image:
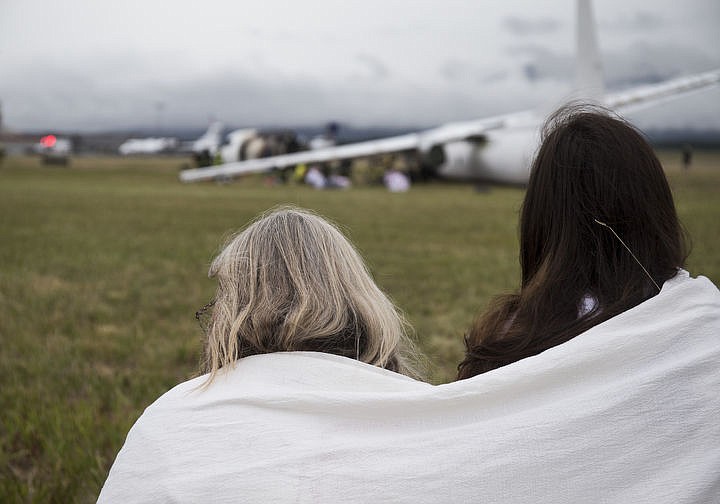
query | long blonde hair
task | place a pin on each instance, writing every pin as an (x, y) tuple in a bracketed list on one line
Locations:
[(291, 281)]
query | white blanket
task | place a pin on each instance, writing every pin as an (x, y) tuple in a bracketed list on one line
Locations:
[(627, 412)]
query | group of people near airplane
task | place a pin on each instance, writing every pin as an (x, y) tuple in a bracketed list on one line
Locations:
[(595, 381)]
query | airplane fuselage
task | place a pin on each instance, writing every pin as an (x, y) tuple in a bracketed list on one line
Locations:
[(503, 157)]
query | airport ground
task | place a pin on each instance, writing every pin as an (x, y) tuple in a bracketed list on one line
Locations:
[(103, 264)]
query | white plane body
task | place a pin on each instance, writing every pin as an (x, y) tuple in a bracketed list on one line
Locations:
[(495, 149), (147, 145)]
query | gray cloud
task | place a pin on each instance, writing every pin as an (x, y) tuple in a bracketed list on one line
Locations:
[(542, 63), (526, 26), (636, 64), (76, 102), (453, 70), (122, 87), (60, 98), (456, 70), (642, 64), (375, 68), (256, 63), (641, 21)]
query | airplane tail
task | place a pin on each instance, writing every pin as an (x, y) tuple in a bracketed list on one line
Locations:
[(588, 72), (210, 140), (214, 130)]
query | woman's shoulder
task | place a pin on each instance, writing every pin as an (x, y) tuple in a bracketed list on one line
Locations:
[(180, 392), (697, 291), (279, 372)]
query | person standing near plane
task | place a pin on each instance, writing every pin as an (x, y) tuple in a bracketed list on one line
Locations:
[(686, 156), (599, 235)]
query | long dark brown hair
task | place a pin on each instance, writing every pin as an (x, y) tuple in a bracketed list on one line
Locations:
[(591, 166)]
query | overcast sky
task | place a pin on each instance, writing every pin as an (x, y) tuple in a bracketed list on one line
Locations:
[(89, 65)]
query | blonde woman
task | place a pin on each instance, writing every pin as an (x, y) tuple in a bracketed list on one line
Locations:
[(296, 312)]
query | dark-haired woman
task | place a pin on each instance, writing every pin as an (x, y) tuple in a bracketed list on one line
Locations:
[(599, 378), (599, 235)]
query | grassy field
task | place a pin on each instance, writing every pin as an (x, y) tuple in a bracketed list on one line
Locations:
[(103, 264)]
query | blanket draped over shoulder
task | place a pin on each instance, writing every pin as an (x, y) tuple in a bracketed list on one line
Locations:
[(626, 412)]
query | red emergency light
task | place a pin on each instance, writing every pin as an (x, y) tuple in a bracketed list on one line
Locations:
[(48, 141)]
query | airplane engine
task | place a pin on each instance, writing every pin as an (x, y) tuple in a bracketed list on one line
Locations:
[(253, 148), (253, 144), (429, 160)]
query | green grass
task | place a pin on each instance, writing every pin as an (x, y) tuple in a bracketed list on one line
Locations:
[(103, 264)]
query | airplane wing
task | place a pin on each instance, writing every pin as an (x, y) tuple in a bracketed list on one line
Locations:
[(644, 96), (423, 140)]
